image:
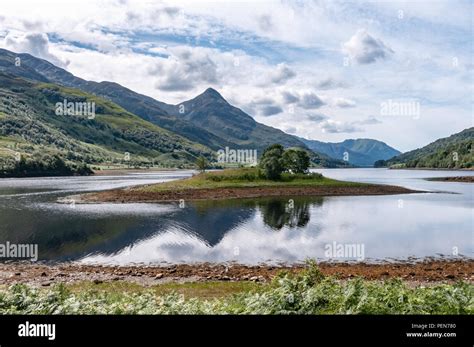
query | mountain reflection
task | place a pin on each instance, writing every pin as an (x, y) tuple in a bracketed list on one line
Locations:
[(66, 234)]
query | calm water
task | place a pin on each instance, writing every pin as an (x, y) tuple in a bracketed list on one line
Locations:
[(245, 231)]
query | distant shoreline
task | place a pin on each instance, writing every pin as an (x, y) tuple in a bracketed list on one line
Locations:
[(464, 179), (106, 172), (426, 168)]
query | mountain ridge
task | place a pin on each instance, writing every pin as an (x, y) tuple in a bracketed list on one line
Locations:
[(30, 124), (207, 119), (359, 152), (451, 152), (153, 110)]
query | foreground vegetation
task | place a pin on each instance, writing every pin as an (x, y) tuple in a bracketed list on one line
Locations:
[(308, 292)]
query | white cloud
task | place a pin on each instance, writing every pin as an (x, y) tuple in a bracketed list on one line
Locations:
[(184, 69), (316, 117), (344, 103), (310, 100), (270, 110), (331, 83), (289, 98), (264, 106), (36, 44), (334, 126), (371, 120), (281, 74), (366, 49)]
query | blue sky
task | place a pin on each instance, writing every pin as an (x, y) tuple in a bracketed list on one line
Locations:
[(316, 69)]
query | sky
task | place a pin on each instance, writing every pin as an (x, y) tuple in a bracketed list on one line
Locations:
[(396, 71)]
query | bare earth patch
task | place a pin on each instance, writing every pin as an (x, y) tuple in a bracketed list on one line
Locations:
[(135, 195), (45, 275)]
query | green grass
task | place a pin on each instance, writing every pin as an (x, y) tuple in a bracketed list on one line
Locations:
[(308, 292), (244, 178), (201, 290)]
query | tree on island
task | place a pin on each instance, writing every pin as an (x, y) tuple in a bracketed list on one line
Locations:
[(272, 161), (296, 161), (275, 160)]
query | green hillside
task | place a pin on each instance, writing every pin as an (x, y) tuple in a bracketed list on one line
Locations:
[(208, 119), (453, 152), (30, 126)]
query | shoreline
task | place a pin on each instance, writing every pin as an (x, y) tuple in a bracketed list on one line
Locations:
[(44, 275), (111, 172), (464, 179), (426, 168), (134, 195)]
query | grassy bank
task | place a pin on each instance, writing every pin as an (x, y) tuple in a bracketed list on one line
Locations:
[(245, 177), (308, 292), (238, 183)]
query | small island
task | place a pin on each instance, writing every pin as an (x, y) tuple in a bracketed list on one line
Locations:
[(279, 173)]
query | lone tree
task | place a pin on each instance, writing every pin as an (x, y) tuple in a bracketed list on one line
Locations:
[(272, 161), (202, 163), (275, 160), (296, 160)]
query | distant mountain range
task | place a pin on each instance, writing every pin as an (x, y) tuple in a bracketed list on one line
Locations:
[(149, 130), (453, 152), (207, 122), (359, 152), (207, 119)]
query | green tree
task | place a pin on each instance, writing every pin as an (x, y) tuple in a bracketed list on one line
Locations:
[(202, 163), (296, 161), (272, 161)]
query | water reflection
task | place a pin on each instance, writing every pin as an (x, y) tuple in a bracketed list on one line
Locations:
[(65, 232), (243, 230), (247, 231), (292, 213)]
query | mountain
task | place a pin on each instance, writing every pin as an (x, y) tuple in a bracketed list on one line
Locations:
[(207, 119), (212, 112), (143, 106), (30, 125), (453, 152), (360, 152)]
